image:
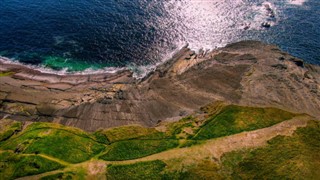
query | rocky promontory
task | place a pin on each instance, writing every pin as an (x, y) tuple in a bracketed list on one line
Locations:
[(247, 73)]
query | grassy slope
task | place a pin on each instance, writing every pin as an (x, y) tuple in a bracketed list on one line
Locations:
[(131, 132), (14, 165), (293, 157), (64, 176), (235, 119), (8, 128), (133, 149), (67, 144), (142, 170), (71, 145)]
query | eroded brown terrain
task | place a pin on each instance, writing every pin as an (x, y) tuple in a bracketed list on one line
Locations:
[(247, 73)]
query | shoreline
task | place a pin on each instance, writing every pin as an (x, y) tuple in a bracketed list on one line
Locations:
[(21, 71), (247, 73), (7, 63), (32, 72)]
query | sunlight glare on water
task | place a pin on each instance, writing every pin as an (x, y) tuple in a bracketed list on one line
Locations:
[(88, 36), (212, 23)]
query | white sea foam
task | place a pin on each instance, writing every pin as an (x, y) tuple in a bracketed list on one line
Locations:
[(297, 2), (205, 24), (63, 71), (139, 72)]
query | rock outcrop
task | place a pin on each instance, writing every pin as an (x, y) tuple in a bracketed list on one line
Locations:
[(247, 73)]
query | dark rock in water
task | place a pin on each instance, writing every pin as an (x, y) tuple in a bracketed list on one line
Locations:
[(267, 6), (270, 11), (266, 25), (246, 26)]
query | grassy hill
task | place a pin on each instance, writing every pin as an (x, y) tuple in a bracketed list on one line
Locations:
[(222, 142)]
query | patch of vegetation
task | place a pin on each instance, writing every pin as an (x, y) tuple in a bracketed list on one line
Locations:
[(63, 144), (6, 73), (159, 170), (33, 150), (43, 125), (132, 132), (205, 169), (13, 166), (236, 119), (133, 149), (189, 143), (293, 157), (176, 129), (8, 128), (61, 176), (101, 137), (143, 170), (213, 108)]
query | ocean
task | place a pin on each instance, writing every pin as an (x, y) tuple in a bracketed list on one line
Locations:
[(76, 36)]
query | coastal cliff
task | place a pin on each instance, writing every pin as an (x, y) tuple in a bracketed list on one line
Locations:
[(247, 73), (245, 111)]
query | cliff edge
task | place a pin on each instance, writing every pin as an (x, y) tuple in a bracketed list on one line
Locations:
[(247, 73)]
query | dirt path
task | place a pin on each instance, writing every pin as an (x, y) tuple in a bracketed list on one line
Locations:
[(213, 149), (217, 147), (55, 159)]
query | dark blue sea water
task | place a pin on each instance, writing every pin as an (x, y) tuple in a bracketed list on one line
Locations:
[(78, 35)]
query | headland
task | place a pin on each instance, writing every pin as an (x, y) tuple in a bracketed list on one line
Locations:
[(247, 73)]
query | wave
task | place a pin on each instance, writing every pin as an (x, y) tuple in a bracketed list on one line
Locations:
[(139, 72), (202, 24), (64, 71), (297, 2)]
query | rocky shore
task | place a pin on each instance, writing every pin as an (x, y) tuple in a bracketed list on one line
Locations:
[(247, 73)]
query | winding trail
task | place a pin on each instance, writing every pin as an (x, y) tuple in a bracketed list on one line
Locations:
[(213, 149), (217, 147)]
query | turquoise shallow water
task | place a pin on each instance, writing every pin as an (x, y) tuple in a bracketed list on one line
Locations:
[(97, 34)]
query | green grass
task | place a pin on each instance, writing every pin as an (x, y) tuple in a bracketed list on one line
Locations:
[(131, 132), (293, 157), (63, 144), (158, 170), (204, 169), (8, 128), (43, 125), (175, 129), (6, 73), (14, 166), (143, 170), (62, 176), (284, 157), (133, 149), (235, 119), (101, 137)]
